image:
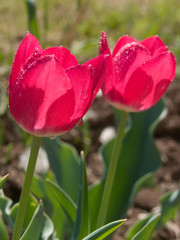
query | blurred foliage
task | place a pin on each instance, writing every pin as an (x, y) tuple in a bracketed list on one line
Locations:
[(88, 18)]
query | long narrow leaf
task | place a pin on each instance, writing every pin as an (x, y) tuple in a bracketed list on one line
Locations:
[(104, 231), (3, 180), (146, 232), (3, 232), (33, 231), (170, 203), (32, 17), (81, 227), (65, 164), (48, 228), (64, 200), (52, 207)]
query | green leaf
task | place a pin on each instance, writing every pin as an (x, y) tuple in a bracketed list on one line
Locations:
[(64, 200), (52, 207), (32, 17), (31, 208), (65, 164), (48, 228), (3, 180), (31, 216), (146, 232), (34, 229), (5, 206), (104, 231), (146, 180), (81, 227), (139, 156), (170, 203), (3, 232)]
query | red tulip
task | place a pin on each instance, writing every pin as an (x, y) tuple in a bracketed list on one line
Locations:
[(49, 92), (137, 73)]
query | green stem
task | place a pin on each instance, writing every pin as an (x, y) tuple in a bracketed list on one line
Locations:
[(26, 189), (112, 171)]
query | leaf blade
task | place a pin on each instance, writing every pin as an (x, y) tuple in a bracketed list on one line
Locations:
[(104, 231)]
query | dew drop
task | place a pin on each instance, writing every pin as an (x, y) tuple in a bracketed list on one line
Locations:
[(80, 122)]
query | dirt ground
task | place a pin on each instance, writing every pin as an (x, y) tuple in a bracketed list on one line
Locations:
[(167, 138)]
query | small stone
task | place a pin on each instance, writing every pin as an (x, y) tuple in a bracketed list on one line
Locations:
[(107, 134), (42, 164)]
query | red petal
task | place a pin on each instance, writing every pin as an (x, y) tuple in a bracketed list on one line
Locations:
[(25, 50), (98, 65), (155, 45), (138, 88), (63, 55), (162, 69), (103, 45), (82, 82), (148, 83), (58, 116), (127, 61), (109, 81), (45, 84), (122, 42)]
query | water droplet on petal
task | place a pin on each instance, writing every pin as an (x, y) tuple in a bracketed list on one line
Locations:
[(80, 122)]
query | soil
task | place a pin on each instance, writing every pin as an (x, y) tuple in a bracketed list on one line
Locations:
[(167, 138)]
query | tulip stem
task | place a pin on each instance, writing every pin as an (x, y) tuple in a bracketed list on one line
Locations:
[(26, 189), (112, 171)]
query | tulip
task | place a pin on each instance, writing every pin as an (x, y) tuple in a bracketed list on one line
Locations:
[(137, 73), (49, 92)]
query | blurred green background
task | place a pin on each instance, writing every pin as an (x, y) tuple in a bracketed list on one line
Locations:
[(78, 24)]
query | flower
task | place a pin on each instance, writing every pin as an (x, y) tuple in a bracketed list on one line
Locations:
[(49, 92), (137, 73)]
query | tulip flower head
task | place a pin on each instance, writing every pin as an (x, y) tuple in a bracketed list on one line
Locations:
[(137, 73), (49, 92)]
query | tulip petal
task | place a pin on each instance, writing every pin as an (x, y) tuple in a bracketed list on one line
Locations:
[(25, 50), (58, 116), (38, 89), (122, 42), (149, 82), (109, 76), (82, 83), (155, 45), (98, 65), (138, 73), (127, 61), (138, 88), (103, 44), (162, 70), (63, 55)]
